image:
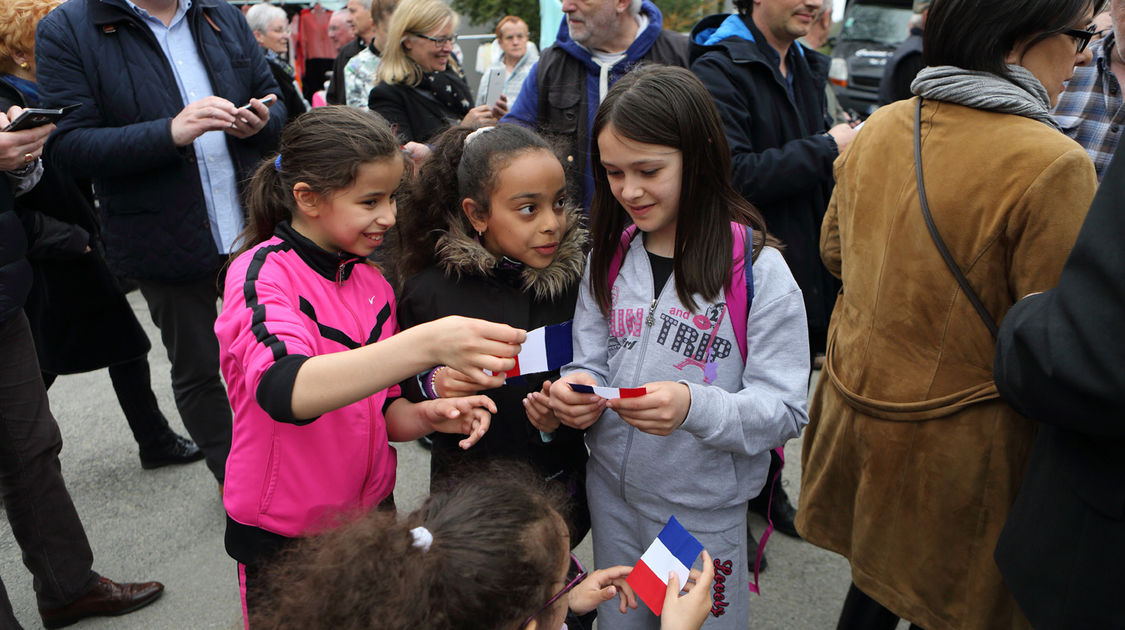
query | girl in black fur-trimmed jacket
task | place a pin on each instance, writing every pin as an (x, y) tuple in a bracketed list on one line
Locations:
[(497, 241)]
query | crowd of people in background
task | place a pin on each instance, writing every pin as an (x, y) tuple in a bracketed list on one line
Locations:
[(343, 246)]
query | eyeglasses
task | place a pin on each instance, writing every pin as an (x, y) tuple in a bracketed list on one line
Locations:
[(1081, 37), (440, 42), (566, 589)]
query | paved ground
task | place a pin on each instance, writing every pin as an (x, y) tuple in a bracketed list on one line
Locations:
[(167, 524)]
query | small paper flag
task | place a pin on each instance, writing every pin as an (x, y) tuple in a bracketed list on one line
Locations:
[(609, 392), (673, 550), (547, 348)]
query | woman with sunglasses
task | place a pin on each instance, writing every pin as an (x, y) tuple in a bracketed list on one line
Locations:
[(491, 553), (911, 462), (421, 89)]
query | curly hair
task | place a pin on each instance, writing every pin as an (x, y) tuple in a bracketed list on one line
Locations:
[(18, 19), (323, 148), (497, 545), (431, 204)]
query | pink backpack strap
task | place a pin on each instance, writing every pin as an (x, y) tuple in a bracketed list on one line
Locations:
[(740, 288), (619, 255)]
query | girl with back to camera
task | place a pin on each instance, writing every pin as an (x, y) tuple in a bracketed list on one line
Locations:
[(306, 345), (697, 444), (490, 553), (487, 233)]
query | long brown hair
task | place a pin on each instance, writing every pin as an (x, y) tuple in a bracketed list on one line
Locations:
[(323, 148), (494, 560), (669, 106)]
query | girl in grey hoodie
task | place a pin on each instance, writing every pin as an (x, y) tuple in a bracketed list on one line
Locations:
[(697, 444)]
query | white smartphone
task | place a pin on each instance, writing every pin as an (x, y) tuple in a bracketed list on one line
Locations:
[(267, 101), (495, 80)]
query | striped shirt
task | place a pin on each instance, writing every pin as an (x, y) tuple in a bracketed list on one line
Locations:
[(1090, 109)]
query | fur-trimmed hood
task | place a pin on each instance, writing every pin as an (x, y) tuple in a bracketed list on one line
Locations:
[(460, 253)]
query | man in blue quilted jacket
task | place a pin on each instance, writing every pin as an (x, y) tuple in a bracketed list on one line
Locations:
[(171, 121)]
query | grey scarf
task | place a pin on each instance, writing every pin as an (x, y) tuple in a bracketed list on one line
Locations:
[(1020, 94)]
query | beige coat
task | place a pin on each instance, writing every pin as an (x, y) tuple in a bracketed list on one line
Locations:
[(911, 462)]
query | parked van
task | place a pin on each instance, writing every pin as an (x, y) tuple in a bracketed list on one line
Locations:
[(871, 31)]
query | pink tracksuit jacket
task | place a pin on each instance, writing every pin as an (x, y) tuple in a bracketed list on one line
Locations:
[(287, 300)]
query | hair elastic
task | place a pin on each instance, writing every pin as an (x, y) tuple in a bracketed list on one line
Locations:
[(277, 163), (472, 136), (422, 538)]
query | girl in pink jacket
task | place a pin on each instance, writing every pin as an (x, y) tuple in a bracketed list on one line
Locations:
[(307, 348)]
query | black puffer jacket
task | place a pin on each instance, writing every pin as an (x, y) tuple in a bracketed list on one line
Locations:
[(79, 317), (781, 156), (472, 283), (100, 54)]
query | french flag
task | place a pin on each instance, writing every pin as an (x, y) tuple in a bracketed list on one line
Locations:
[(547, 348), (673, 550)]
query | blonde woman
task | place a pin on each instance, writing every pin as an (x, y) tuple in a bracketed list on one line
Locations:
[(421, 89)]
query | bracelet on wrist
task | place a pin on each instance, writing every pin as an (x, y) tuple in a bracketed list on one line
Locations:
[(431, 383)]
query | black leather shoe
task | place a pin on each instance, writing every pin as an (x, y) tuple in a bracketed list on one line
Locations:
[(179, 450), (781, 512), (106, 599)]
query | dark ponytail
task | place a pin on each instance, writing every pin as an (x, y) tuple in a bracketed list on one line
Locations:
[(497, 542), (323, 148), (453, 172)]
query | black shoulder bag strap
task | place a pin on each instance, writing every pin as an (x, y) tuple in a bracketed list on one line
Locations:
[(985, 316)]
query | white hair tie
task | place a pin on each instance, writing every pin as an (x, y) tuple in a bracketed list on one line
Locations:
[(422, 538), (469, 138)]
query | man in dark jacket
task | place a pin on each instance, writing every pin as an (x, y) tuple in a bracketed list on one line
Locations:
[(770, 92), (598, 42), (40, 511), (153, 77), (904, 65), (1058, 361)]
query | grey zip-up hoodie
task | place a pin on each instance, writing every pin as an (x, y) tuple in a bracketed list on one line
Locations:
[(707, 470)]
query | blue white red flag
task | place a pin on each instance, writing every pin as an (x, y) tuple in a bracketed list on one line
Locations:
[(609, 392), (547, 348), (673, 550)]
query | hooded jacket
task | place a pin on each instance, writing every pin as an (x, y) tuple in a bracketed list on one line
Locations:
[(705, 471), (556, 97), (781, 157), (99, 53), (470, 281), (287, 300)]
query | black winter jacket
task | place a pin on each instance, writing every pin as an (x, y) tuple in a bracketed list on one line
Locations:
[(470, 282), (100, 54), (79, 317), (413, 113), (781, 156), (1058, 361)]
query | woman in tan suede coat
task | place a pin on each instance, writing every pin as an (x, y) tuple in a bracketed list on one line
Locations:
[(911, 462)]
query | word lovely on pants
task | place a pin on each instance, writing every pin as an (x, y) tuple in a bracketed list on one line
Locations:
[(547, 348), (673, 550), (609, 392)]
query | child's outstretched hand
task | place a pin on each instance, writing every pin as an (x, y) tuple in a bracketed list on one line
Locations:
[(690, 611), (467, 415), (601, 586), (572, 408), (471, 346), (539, 412), (659, 412)]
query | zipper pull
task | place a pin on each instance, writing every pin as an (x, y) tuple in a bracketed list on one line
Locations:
[(650, 320), (340, 274)]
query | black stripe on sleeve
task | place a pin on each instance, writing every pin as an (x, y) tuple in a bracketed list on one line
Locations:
[(258, 311)]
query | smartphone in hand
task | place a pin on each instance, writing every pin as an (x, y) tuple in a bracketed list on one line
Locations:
[(266, 100), (495, 86), (36, 117)]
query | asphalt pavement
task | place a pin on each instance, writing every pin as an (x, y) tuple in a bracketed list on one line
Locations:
[(167, 524)]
